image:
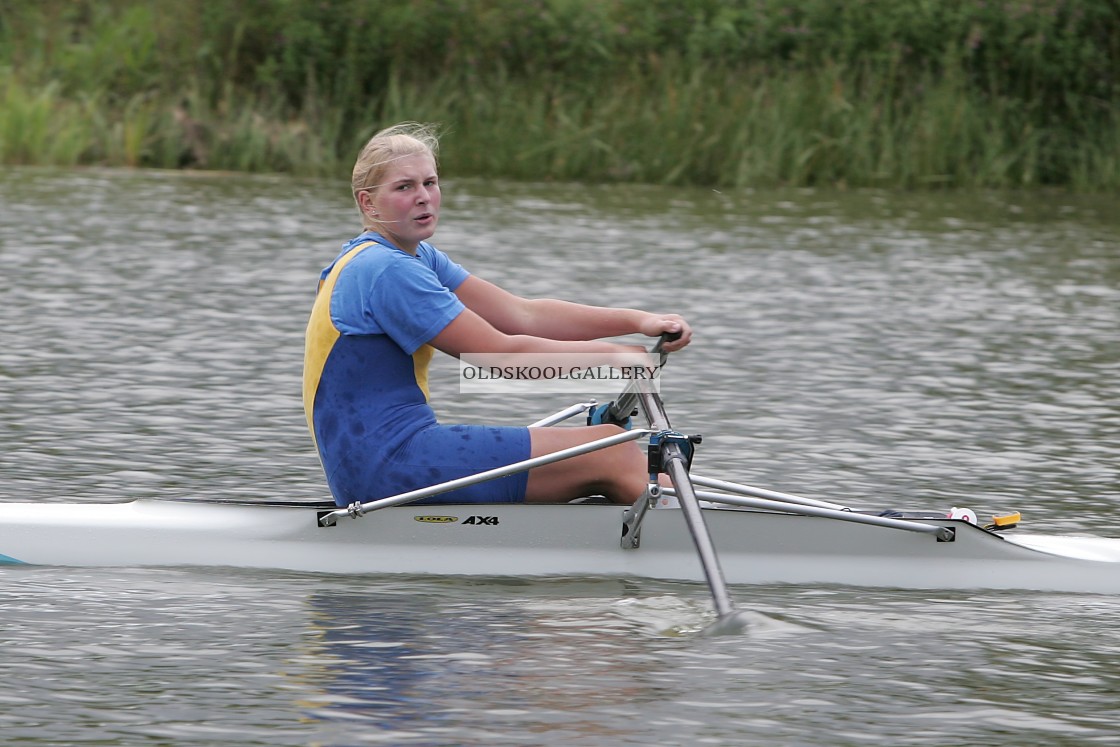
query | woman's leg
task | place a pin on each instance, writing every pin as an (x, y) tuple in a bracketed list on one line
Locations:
[(618, 472)]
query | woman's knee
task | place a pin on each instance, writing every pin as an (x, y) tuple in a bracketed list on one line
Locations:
[(624, 470), (618, 471)]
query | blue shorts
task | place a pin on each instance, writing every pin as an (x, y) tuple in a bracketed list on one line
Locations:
[(436, 454)]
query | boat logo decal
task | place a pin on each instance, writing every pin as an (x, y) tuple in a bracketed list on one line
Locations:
[(490, 520), (437, 519)]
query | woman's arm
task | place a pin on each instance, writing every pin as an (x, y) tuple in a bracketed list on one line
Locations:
[(557, 320), (471, 333)]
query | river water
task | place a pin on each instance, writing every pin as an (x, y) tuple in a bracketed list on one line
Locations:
[(871, 348)]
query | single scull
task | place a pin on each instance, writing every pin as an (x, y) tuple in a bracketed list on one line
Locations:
[(700, 529), (755, 547)]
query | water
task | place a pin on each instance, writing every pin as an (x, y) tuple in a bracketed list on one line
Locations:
[(869, 348)]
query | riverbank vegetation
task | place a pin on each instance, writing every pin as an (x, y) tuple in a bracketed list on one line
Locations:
[(722, 93)]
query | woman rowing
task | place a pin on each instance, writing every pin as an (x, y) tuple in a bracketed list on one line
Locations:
[(391, 298)]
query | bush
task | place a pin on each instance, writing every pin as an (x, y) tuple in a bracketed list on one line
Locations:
[(1024, 88)]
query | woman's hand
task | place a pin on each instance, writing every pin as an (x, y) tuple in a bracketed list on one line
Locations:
[(656, 325)]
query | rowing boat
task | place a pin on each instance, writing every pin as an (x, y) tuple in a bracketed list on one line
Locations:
[(701, 528), (755, 546)]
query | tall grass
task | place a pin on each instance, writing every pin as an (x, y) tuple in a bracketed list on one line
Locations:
[(37, 126), (902, 93), (700, 125)]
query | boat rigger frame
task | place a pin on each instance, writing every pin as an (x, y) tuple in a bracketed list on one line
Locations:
[(669, 453)]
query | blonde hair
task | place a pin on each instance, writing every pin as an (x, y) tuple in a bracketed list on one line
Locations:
[(393, 143)]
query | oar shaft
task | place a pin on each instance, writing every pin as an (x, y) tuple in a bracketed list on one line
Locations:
[(694, 518), (624, 405)]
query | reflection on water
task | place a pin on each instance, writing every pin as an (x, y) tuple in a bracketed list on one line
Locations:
[(472, 659), (868, 348)]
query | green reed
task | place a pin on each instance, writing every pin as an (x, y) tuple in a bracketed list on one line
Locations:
[(894, 93)]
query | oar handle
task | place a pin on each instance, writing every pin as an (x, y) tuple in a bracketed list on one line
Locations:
[(665, 337), (622, 407)]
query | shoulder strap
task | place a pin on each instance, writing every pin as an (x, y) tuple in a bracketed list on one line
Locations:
[(321, 333)]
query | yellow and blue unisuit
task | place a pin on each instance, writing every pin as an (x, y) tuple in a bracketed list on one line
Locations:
[(365, 381)]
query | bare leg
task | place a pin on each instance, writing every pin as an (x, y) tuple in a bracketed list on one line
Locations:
[(618, 472)]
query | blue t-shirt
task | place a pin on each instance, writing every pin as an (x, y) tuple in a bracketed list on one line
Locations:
[(385, 291)]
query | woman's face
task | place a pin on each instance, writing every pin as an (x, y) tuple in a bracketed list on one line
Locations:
[(406, 203)]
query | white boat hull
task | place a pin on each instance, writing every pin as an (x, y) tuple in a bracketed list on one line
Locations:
[(547, 540)]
